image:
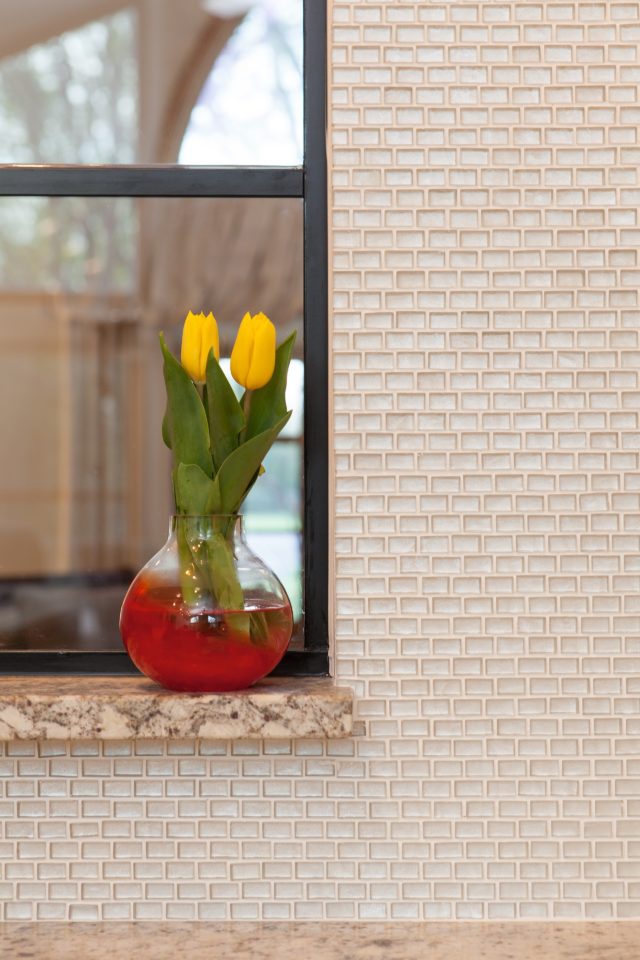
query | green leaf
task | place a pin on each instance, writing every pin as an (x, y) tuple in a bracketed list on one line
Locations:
[(189, 584), (268, 404), (187, 426), (193, 489), (225, 415), (166, 436), (224, 577), (241, 466)]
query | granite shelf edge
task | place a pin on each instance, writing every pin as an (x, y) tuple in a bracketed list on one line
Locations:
[(325, 940), (134, 708)]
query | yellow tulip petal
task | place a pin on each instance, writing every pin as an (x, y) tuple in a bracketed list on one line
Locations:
[(209, 341), (242, 348), (190, 349), (263, 358), (214, 335)]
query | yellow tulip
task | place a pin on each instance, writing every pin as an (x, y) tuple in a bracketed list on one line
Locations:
[(253, 357), (199, 336)]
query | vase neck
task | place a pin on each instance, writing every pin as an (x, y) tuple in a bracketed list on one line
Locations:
[(206, 524)]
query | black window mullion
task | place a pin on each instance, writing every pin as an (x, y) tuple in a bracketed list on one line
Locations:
[(316, 424), (150, 181), (295, 663)]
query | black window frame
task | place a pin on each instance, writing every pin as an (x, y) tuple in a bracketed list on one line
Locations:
[(308, 183)]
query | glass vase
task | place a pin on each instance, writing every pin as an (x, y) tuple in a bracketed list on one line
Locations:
[(206, 614)]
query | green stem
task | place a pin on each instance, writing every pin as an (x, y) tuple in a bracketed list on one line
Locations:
[(246, 409), (223, 574), (188, 580), (208, 570)]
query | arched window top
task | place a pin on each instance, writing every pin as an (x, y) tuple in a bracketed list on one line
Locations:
[(250, 109)]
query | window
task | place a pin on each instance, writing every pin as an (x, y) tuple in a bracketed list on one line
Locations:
[(117, 214)]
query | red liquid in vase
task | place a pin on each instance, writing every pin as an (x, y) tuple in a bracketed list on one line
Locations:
[(200, 650)]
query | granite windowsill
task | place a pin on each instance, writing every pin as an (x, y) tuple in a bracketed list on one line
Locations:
[(334, 940), (134, 708)]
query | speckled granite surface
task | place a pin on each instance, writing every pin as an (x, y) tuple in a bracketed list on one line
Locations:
[(321, 941), (127, 708)]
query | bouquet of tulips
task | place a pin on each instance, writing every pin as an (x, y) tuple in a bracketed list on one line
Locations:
[(219, 441)]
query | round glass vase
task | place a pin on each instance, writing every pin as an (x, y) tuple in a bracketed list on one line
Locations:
[(206, 614)]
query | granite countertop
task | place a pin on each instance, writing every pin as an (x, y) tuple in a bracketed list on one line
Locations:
[(321, 941), (128, 708)]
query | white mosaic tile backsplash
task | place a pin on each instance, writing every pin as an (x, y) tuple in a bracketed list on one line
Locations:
[(487, 523)]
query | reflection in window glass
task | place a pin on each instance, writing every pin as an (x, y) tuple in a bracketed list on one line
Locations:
[(70, 100), (74, 98), (53, 243), (85, 486), (249, 111)]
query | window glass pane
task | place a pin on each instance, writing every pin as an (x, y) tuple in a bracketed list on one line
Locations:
[(73, 98), (215, 82), (66, 243), (85, 485), (249, 111)]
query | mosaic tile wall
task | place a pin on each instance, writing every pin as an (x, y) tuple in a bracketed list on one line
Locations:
[(487, 523)]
